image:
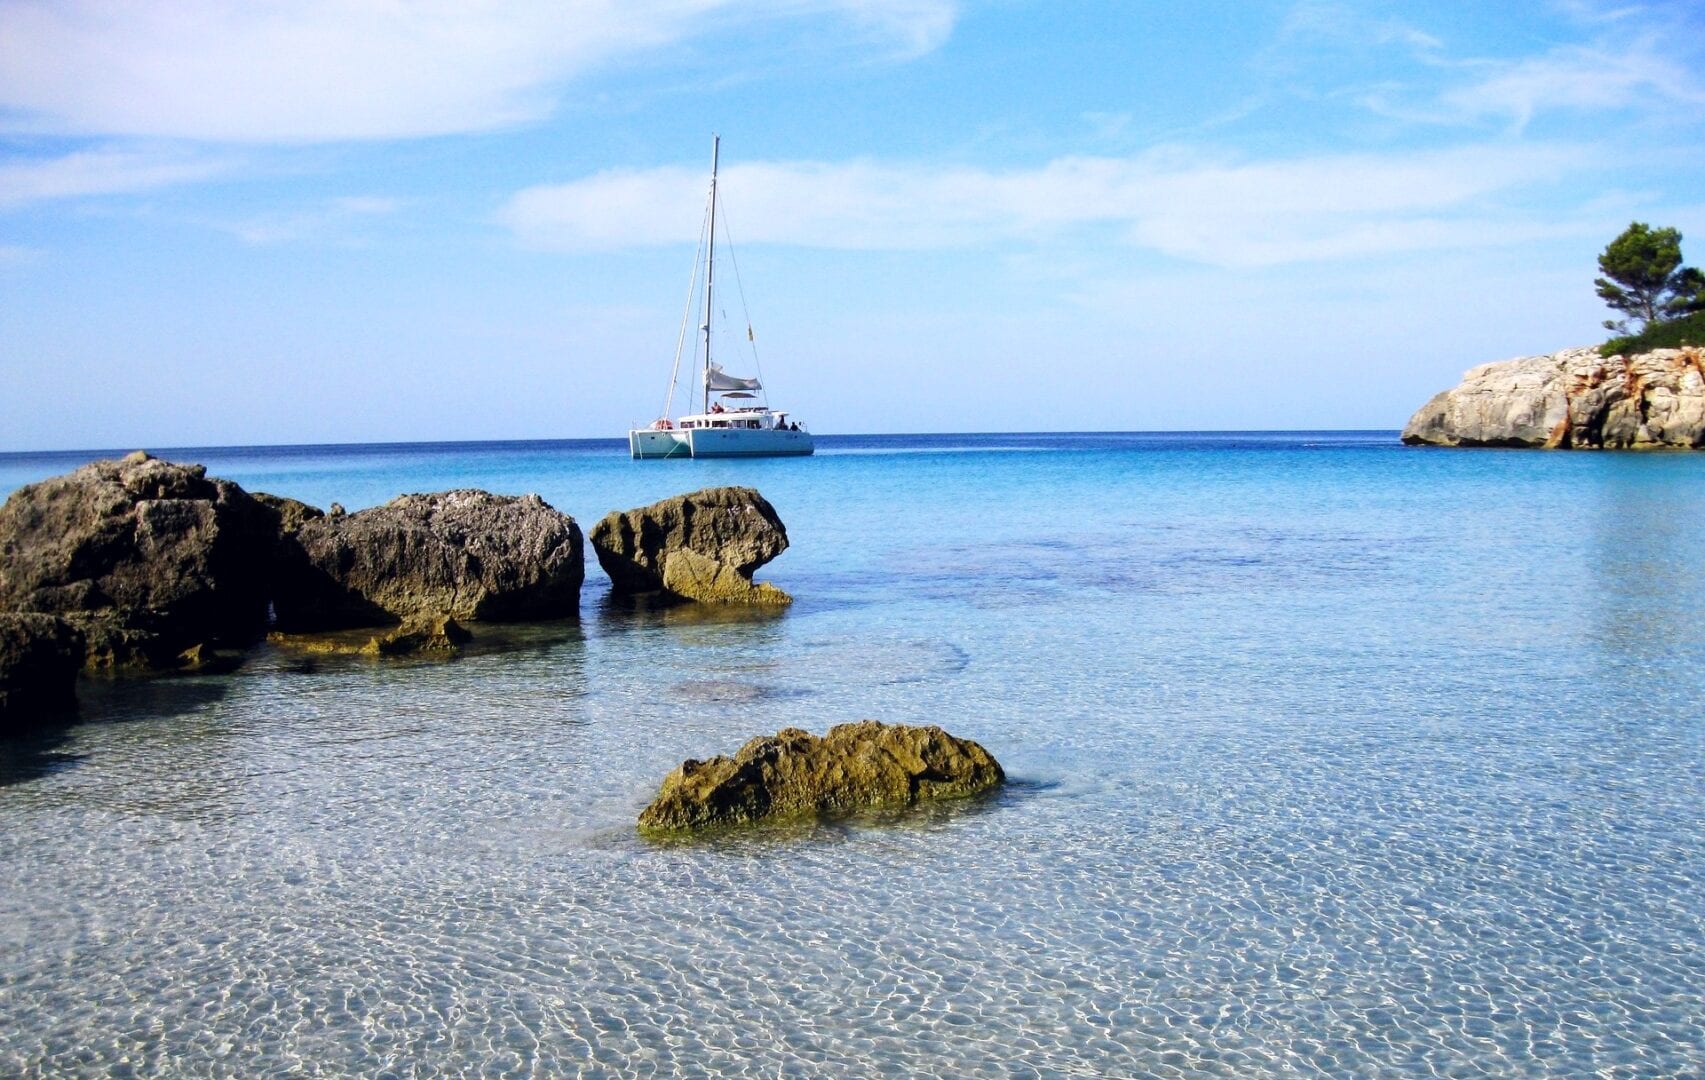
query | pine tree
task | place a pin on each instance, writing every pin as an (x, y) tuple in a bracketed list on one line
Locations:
[(1644, 278)]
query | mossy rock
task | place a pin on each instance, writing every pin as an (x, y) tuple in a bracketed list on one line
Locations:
[(795, 774)]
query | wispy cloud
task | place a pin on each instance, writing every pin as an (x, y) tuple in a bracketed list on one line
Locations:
[(906, 28), (1343, 25), (1579, 78), (101, 172), (1596, 12), (1187, 204), (17, 254), (314, 70), (1640, 60), (338, 220)]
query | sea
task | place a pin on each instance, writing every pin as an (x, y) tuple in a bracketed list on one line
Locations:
[(1327, 757)]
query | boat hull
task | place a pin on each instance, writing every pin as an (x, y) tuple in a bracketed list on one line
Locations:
[(651, 443), (719, 442), (747, 442)]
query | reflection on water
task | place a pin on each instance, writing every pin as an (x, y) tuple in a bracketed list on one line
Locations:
[(1330, 761), (1643, 536), (615, 612)]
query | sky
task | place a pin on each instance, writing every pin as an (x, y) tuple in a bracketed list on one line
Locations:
[(281, 222)]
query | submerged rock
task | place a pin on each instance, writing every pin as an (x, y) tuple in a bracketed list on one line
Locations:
[(430, 634), (701, 546), (39, 659), (1572, 399), (461, 554), (793, 772), (415, 636), (147, 557)]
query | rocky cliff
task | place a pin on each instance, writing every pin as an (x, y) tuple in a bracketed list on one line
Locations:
[(1572, 399)]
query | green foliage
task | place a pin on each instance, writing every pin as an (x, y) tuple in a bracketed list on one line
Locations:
[(1669, 334), (1644, 278)]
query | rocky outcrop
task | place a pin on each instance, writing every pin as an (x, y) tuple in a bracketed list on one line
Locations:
[(794, 773), (148, 558), (289, 514), (1572, 399), (39, 659), (700, 546), (465, 555)]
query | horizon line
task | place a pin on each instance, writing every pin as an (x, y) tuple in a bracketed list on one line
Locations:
[(619, 441)]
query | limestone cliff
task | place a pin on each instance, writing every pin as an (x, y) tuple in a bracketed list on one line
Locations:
[(1573, 399)]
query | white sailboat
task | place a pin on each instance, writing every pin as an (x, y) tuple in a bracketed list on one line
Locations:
[(739, 421)]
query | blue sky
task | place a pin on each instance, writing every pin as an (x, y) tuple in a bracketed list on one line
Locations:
[(248, 223)]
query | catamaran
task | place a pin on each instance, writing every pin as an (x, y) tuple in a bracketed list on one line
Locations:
[(739, 421)]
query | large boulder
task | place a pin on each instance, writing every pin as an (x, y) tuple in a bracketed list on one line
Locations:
[(700, 546), (1572, 399), (39, 659), (465, 555), (794, 773), (148, 557)]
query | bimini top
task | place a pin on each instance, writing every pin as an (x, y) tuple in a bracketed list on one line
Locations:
[(718, 381)]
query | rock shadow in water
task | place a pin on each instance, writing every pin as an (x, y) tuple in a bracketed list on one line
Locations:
[(33, 755), (120, 699)]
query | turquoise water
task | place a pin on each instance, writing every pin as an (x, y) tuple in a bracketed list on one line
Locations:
[(1331, 757)]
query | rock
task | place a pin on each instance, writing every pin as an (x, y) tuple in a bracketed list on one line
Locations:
[(700, 546), (415, 636), (461, 554), (1572, 399), (39, 659), (128, 640), (290, 513), (429, 634), (147, 557), (692, 576), (794, 773)]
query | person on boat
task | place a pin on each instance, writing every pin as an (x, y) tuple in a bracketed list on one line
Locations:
[(716, 407)]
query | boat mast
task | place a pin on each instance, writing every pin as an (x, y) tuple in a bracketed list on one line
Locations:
[(710, 266)]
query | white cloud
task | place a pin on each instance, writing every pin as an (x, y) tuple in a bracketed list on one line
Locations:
[(100, 172), (1181, 203), (313, 70)]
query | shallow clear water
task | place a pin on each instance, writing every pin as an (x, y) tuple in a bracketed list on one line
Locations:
[(1330, 757)]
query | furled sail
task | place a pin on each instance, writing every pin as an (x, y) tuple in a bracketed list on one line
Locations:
[(716, 379)]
